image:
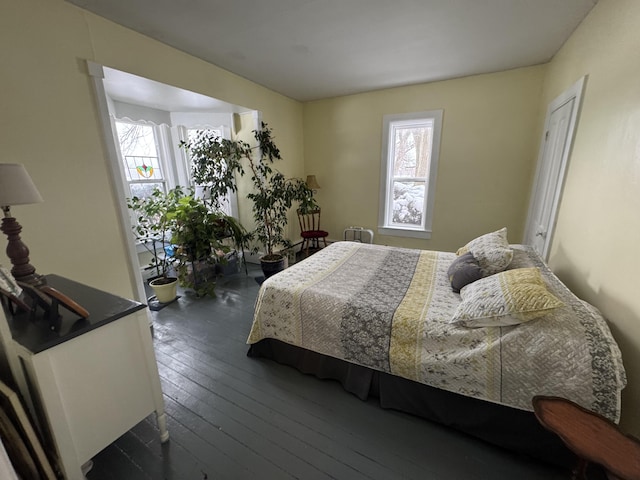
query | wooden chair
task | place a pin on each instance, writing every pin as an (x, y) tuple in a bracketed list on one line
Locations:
[(310, 229), (591, 437)]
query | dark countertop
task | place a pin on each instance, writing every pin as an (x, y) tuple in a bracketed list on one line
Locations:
[(37, 334)]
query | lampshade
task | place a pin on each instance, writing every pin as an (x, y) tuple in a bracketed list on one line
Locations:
[(312, 183), (16, 186)]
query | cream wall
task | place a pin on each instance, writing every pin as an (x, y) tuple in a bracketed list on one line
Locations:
[(598, 227), (487, 154), (49, 122)]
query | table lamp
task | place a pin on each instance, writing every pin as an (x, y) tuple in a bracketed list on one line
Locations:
[(312, 183), (17, 188)]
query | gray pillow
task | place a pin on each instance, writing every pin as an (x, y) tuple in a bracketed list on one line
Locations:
[(464, 270)]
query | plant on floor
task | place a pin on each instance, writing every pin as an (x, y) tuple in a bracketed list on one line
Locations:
[(199, 234), (272, 198), (216, 162), (152, 224), (274, 194)]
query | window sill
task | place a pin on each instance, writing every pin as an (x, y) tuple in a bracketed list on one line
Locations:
[(404, 232)]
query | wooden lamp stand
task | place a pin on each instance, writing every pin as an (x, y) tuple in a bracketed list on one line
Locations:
[(17, 251)]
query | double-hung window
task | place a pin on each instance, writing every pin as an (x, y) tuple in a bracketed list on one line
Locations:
[(143, 168), (410, 146)]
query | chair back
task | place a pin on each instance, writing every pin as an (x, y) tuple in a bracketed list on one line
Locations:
[(309, 220)]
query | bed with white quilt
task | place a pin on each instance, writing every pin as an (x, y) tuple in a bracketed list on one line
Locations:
[(464, 339)]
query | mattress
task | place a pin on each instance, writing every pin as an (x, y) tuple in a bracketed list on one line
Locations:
[(389, 309)]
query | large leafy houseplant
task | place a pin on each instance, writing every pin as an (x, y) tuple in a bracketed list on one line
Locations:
[(216, 161), (273, 196), (192, 230), (199, 233)]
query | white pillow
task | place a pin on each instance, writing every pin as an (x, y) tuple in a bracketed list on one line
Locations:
[(492, 251), (506, 298)]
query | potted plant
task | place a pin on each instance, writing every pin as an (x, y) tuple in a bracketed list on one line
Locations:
[(216, 161), (152, 223), (199, 234), (273, 197)]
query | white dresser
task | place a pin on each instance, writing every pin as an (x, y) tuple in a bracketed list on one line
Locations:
[(89, 381)]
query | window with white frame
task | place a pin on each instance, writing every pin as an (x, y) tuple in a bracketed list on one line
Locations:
[(410, 144), (143, 166)]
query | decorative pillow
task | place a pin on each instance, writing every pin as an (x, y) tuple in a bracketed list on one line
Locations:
[(492, 251), (463, 271), (506, 298)]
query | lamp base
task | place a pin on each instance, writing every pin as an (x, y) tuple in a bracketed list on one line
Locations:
[(18, 253)]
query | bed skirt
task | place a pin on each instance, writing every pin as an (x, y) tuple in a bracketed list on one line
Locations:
[(513, 429)]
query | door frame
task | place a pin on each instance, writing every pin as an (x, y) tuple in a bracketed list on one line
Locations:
[(117, 177), (575, 91), (96, 73)]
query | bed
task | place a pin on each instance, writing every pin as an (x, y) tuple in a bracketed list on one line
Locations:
[(379, 320)]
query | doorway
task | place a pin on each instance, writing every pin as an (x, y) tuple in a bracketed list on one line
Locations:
[(555, 149), (170, 110)]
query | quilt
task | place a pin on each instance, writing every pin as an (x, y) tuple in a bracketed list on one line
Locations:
[(389, 309)]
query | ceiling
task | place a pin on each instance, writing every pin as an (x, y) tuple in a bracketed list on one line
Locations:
[(313, 49)]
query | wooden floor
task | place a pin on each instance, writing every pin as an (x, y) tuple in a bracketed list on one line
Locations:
[(234, 417)]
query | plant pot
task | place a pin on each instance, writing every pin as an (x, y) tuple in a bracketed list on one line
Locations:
[(272, 264), (166, 289)]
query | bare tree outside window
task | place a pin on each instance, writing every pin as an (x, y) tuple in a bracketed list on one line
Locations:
[(410, 157), (412, 153), (142, 166)]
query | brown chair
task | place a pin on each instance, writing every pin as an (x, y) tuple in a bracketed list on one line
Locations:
[(591, 437), (310, 229)]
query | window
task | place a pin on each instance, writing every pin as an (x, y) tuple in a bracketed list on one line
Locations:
[(143, 168), (409, 164)]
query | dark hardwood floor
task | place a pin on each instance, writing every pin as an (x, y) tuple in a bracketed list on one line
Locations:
[(234, 417)]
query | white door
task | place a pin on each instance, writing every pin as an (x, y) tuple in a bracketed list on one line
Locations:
[(552, 161)]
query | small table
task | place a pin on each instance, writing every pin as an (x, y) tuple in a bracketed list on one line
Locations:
[(90, 381)]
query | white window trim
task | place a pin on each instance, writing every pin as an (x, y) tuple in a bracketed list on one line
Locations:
[(385, 175)]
